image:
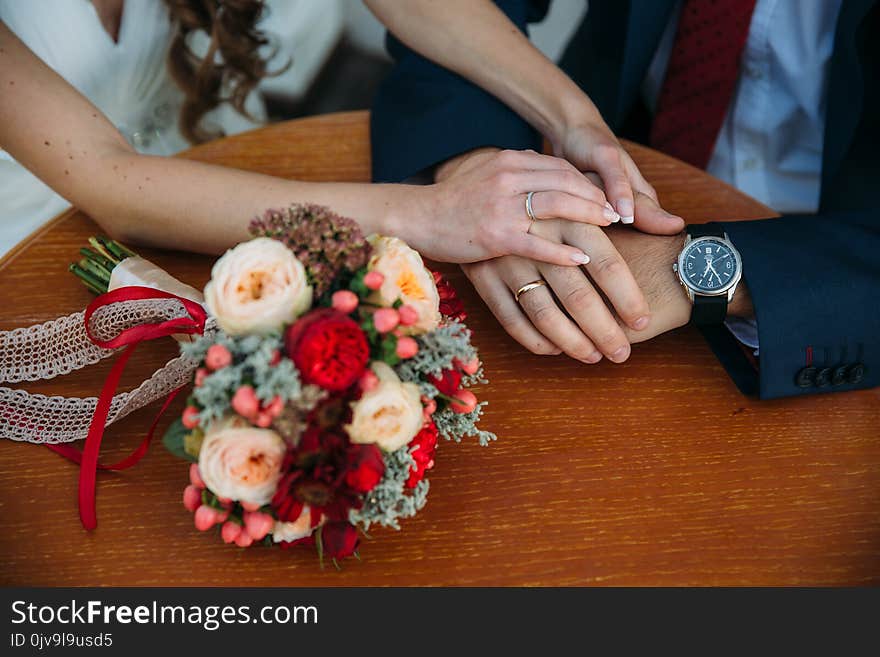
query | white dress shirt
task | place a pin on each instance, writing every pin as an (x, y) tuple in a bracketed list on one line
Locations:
[(770, 144)]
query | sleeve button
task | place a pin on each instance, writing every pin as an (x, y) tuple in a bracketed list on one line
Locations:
[(823, 377), (856, 373), (838, 376), (805, 377)]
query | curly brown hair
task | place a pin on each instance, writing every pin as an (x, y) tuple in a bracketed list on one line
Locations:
[(230, 69)]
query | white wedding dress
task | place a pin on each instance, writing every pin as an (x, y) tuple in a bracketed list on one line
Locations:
[(127, 80)]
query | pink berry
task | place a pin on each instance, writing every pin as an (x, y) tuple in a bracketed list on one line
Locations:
[(190, 417), (345, 301), (217, 357), (201, 375), (244, 539), (245, 402), (368, 381), (192, 498), (386, 319), (471, 367), (250, 506), (195, 477), (464, 401), (225, 501), (263, 420), (258, 524), (205, 518), (220, 516), (408, 315), (230, 531), (373, 280), (407, 347), (275, 406)]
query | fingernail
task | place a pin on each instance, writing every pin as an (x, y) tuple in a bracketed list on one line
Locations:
[(615, 217), (593, 358), (580, 258), (610, 215), (620, 355), (640, 323), (627, 220), (625, 208)]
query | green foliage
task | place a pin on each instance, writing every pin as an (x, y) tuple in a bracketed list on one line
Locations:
[(437, 351), (252, 356), (174, 441), (391, 500), (457, 426)]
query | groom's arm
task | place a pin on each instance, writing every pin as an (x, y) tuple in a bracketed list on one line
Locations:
[(424, 114), (812, 282)]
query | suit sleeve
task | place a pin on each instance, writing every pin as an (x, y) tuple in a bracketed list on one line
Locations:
[(814, 281), (424, 114)]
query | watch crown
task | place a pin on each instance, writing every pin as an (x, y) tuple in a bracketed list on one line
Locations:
[(675, 266)]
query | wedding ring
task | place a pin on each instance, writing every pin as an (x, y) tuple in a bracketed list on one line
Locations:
[(529, 210), (528, 286)]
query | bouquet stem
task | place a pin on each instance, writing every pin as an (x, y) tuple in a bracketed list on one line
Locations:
[(98, 262)]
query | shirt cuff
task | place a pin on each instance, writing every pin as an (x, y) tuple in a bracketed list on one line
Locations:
[(744, 330)]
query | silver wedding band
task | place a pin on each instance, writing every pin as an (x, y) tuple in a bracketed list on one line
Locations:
[(529, 210), (528, 286)]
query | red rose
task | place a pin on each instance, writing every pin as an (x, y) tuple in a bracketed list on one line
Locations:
[(425, 444), (450, 305), (329, 349), (447, 383), (339, 539), (365, 467)]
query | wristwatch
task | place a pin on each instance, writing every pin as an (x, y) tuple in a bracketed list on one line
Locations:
[(709, 268)]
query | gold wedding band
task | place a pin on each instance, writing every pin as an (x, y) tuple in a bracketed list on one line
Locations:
[(529, 211), (528, 286)]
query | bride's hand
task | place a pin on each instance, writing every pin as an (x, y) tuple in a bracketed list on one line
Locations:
[(478, 210)]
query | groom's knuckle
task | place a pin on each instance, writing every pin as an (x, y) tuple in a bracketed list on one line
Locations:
[(609, 265), (580, 297), (544, 314), (610, 339)]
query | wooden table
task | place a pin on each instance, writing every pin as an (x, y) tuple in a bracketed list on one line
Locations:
[(653, 472)]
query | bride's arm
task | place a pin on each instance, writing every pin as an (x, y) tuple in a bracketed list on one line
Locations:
[(475, 39), (51, 129)]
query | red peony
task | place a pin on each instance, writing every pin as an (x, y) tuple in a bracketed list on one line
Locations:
[(450, 305), (339, 539), (447, 383), (314, 474), (365, 467), (329, 349), (422, 447)]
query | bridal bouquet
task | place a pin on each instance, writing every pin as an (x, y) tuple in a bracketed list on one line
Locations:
[(317, 403)]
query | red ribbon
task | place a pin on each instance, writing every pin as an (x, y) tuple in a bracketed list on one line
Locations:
[(129, 338)]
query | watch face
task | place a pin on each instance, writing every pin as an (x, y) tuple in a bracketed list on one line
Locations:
[(709, 266)]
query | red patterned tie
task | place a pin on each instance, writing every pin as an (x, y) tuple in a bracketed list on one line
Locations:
[(701, 77)]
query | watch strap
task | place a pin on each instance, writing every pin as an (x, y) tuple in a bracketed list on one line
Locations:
[(705, 230), (709, 311)]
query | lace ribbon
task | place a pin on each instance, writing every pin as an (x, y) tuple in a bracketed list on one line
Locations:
[(120, 319)]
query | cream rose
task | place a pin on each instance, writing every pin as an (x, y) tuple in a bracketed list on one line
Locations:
[(406, 278), (241, 462), (257, 287), (293, 531), (390, 414)]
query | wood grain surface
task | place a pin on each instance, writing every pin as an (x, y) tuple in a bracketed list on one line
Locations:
[(654, 472)]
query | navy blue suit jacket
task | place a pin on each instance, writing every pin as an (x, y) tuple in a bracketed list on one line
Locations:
[(814, 279)]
